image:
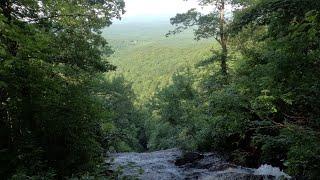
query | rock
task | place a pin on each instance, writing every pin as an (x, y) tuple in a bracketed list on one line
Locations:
[(221, 167), (172, 165), (238, 176), (189, 158)]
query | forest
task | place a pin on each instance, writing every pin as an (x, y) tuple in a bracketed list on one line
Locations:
[(242, 80)]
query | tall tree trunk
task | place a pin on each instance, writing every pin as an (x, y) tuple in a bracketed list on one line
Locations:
[(224, 56), (223, 40)]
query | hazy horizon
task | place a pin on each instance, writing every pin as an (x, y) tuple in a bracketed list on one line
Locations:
[(145, 11)]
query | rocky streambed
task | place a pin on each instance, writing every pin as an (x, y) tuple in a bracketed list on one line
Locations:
[(173, 165)]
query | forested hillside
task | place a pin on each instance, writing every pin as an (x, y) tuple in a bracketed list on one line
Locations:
[(73, 88), (148, 59)]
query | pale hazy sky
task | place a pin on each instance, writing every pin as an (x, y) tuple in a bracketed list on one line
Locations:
[(157, 8)]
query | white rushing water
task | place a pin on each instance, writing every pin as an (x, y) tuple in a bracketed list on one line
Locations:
[(269, 170), (160, 165)]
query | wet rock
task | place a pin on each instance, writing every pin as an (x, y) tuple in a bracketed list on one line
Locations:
[(188, 158), (149, 166), (239, 176), (172, 165), (221, 167)]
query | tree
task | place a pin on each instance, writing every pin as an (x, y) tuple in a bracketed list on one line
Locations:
[(214, 24), (279, 42), (50, 52)]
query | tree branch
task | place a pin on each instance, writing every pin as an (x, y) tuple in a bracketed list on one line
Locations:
[(58, 16)]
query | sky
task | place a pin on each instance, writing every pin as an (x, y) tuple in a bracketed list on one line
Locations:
[(142, 10)]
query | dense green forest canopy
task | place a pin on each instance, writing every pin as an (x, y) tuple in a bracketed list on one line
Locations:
[(145, 57), (72, 88)]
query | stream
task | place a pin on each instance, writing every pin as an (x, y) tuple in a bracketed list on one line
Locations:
[(173, 165)]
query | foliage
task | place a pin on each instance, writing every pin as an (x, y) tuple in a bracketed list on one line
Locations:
[(122, 132), (284, 65), (211, 25), (268, 112), (148, 59), (175, 112), (51, 110)]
